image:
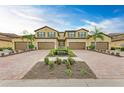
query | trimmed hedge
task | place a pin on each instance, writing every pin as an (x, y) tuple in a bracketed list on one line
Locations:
[(9, 48), (122, 49), (114, 48), (61, 51)]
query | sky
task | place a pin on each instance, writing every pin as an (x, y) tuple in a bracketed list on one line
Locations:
[(16, 19)]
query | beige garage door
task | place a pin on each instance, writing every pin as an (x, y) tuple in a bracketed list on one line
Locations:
[(77, 45), (21, 45), (46, 45), (102, 45)]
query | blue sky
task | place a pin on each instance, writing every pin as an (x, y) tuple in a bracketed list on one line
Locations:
[(16, 19)]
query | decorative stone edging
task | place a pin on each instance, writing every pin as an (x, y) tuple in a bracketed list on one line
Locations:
[(107, 53), (14, 53)]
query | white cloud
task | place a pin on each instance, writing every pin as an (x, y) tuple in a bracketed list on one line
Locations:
[(21, 14), (15, 19), (89, 22), (113, 25)]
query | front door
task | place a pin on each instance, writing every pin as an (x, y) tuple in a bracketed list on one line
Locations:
[(61, 43)]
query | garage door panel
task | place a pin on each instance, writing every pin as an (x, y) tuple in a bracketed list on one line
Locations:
[(46, 45), (77, 45), (102, 45), (21, 45)]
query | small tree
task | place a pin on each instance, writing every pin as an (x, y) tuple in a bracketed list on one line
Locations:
[(29, 37), (97, 34)]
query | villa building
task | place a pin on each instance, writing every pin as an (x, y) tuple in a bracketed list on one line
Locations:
[(48, 38), (6, 39), (117, 39)]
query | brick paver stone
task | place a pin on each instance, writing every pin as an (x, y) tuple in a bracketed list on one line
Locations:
[(104, 66), (16, 66)]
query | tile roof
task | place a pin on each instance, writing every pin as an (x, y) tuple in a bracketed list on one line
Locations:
[(5, 38), (117, 36), (11, 35)]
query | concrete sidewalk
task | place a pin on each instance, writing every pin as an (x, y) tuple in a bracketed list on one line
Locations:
[(63, 83)]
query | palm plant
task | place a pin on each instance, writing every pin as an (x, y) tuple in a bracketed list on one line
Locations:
[(97, 34), (30, 38)]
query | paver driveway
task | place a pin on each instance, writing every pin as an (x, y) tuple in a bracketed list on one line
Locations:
[(16, 66), (104, 66)]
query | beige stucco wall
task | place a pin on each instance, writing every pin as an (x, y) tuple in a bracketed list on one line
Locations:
[(19, 40), (76, 33), (74, 40), (46, 40), (35, 41), (46, 30), (106, 39), (5, 44), (117, 43), (81, 30)]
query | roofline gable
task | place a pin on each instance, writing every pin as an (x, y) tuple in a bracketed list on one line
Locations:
[(76, 30), (45, 27)]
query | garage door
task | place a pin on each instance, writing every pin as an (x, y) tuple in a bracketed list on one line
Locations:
[(21, 45), (46, 45), (102, 45), (77, 45)]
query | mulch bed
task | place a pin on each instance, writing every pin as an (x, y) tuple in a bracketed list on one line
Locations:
[(42, 71)]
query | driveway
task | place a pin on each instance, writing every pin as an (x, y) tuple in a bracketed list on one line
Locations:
[(16, 66), (104, 66)]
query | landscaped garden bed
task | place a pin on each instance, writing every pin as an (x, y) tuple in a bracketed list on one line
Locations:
[(60, 69), (109, 52), (113, 52), (61, 52), (7, 52)]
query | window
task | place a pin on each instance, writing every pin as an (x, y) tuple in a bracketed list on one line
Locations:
[(82, 34), (71, 34), (51, 34), (41, 34)]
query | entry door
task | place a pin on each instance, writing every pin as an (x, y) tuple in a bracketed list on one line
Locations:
[(61, 43)]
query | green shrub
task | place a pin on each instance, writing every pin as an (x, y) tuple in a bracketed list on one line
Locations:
[(68, 72), (72, 61), (117, 54), (9, 48), (64, 61), (70, 53), (46, 60), (62, 48), (58, 61), (117, 48), (122, 48), (30, 46), (3, 48), (91, 47), (51, 65), (52, 52), (83, 72), (113, 48), (68, 65), (112, 53), (61, 51)]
